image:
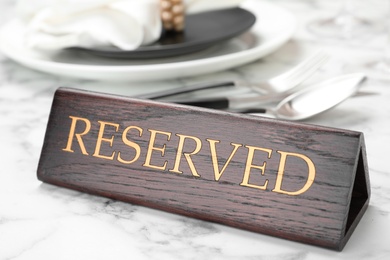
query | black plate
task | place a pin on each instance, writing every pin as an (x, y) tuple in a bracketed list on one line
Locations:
[(202, 31)]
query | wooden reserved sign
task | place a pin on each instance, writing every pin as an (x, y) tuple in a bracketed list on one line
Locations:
[(295, 181)]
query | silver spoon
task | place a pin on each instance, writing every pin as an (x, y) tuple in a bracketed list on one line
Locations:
[(314, 100)]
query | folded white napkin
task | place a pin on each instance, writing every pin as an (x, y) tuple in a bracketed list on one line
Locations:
[(127, 24)]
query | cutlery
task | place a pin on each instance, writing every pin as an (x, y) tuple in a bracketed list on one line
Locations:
[(307, 102), (280, 83)]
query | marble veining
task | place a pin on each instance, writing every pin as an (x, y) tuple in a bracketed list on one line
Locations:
[(40, 221)]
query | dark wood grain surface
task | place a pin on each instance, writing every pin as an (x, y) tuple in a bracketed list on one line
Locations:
[(157, 176)]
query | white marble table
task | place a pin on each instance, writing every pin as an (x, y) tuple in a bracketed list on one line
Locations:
[(40, 221)]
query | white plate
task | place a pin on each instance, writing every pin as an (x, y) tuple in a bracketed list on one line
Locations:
[(273, 28)]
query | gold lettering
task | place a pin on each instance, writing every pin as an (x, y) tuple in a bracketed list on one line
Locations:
[(181, 152), (78, 135), (100, 139), (214, 157), (249, 166), (310, 178), (182, 138), (135, 146), (152, 148)]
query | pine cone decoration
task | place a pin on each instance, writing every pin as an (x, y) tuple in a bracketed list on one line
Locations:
[(172, 15)]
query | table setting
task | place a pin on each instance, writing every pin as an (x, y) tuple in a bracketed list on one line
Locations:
[(316, 64)]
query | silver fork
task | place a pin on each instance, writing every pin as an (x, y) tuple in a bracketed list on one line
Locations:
[(280, 83)]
